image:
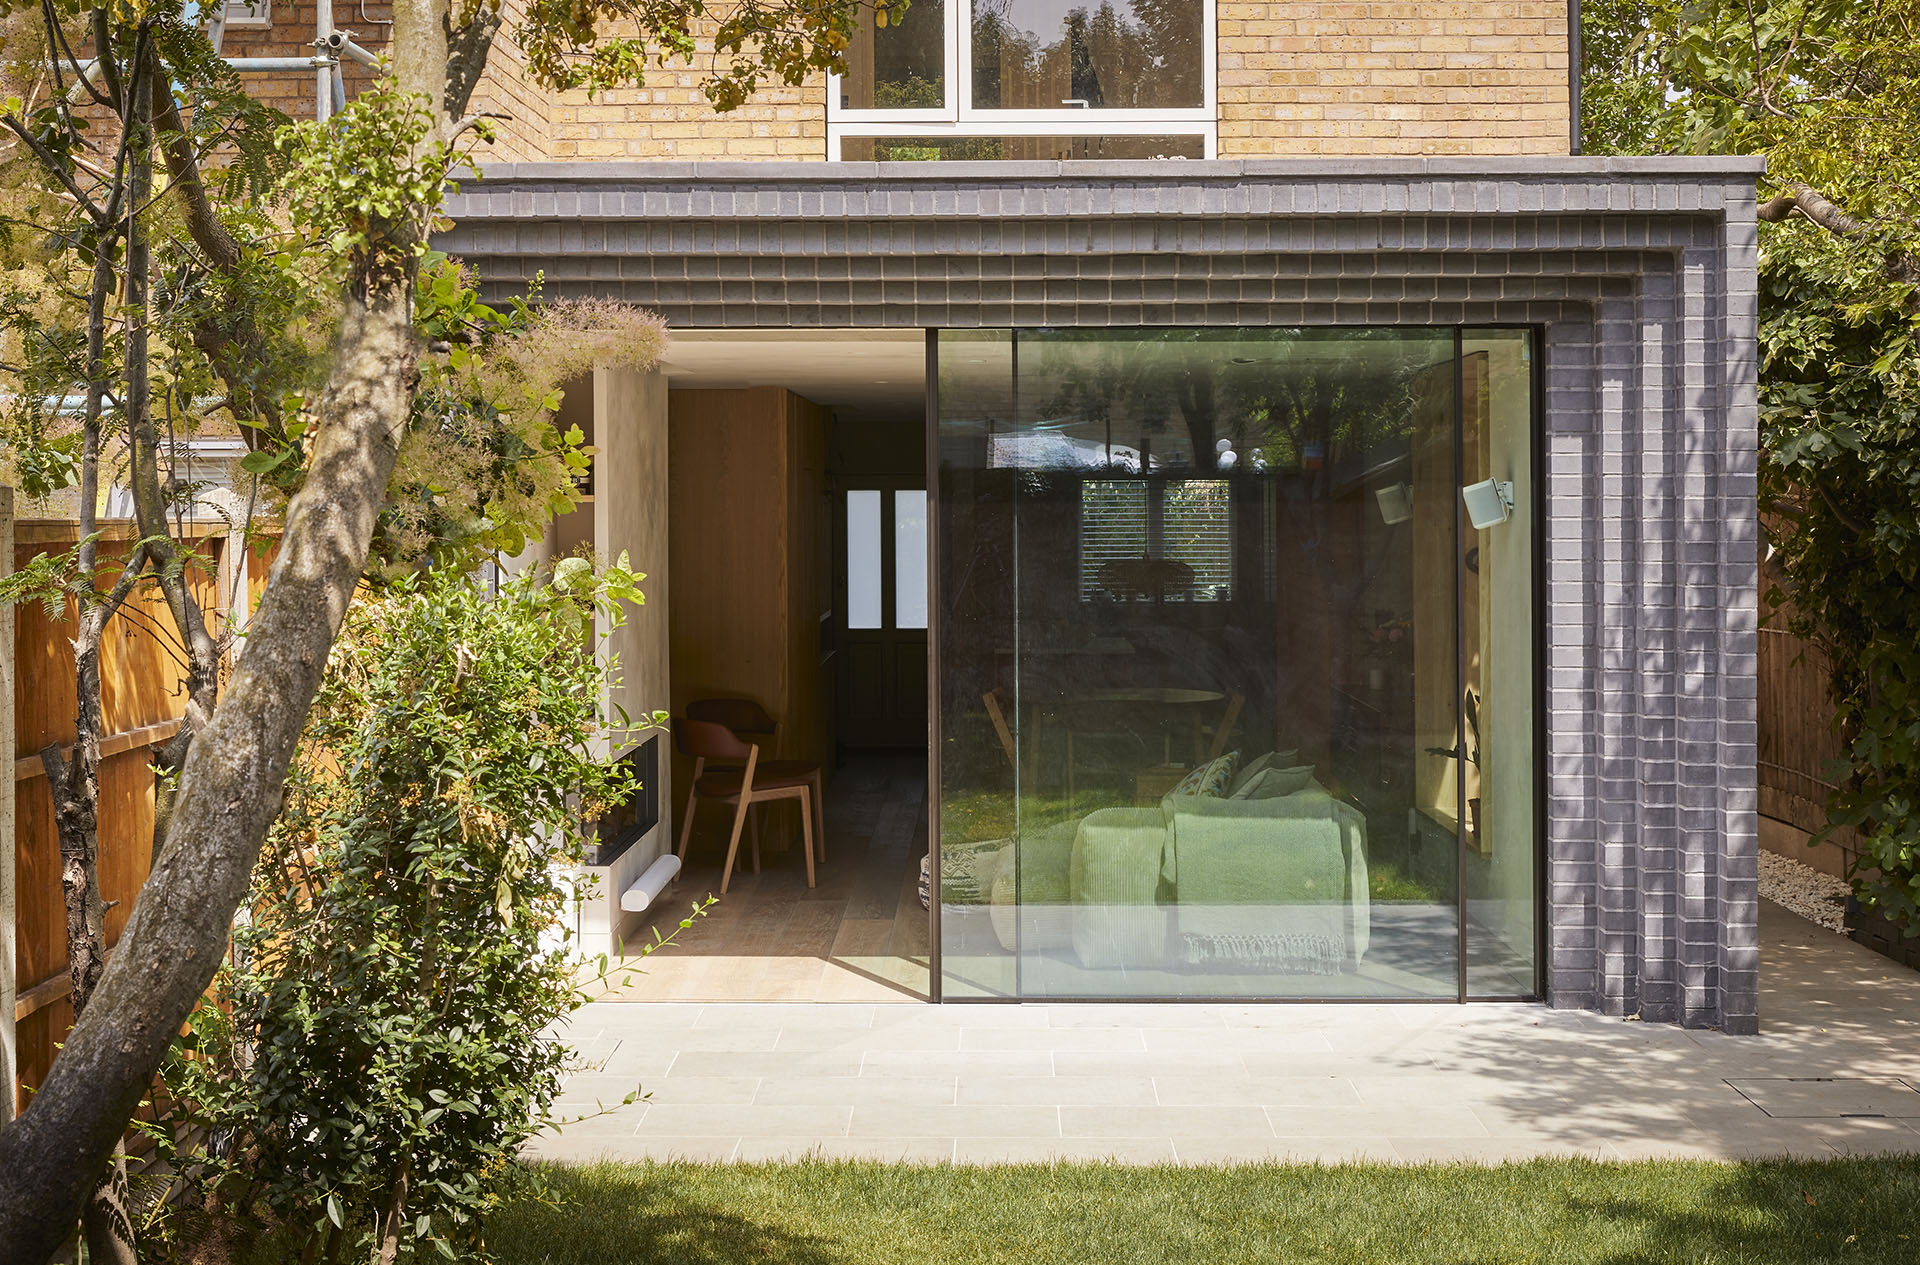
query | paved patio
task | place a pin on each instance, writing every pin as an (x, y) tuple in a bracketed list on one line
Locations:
[(1834, 1072)]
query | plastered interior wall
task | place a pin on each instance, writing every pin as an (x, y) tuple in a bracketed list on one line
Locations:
[(630, 517)]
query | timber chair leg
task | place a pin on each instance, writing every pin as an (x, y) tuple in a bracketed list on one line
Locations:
[(753, 830), (733, 844), (806, 829), (742, 803), (819, 819), (693, 797)]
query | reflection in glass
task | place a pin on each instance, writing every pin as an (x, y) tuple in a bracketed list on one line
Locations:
[(863, 559), (902, 149), (1055, 54), (898, 66), (910, 559), (1497, 591), (1159, 779)]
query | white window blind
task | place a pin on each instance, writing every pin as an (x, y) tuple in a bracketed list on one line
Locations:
[(1113, 529), (1120, 539), (1196, 527)]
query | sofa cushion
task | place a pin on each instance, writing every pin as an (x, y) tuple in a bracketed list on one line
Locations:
[(1260, 764), (1272, 783)]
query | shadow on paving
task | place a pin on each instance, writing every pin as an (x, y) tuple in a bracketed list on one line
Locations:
[(1613, 1088)]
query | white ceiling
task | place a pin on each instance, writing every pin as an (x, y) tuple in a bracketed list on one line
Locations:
[(862, 374)]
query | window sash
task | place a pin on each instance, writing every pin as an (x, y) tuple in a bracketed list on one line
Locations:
[(965, 120)]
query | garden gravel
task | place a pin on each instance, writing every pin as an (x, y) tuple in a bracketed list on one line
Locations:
[(1799, 887)]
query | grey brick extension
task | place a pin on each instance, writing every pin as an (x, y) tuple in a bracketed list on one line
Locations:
[(1640, 271)]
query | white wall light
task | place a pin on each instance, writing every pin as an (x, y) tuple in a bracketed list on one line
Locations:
[(1489, 502), (1396, 503)]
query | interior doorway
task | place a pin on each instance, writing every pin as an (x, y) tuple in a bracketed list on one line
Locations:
[(797, 578), (876, 468)]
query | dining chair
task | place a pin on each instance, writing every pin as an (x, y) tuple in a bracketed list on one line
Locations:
[(755, 781), (747, 719), (1223, 732), (997, 713), (742, 715)]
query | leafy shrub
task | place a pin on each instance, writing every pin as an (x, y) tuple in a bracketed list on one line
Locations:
[(1840, 477), (382, 1044)]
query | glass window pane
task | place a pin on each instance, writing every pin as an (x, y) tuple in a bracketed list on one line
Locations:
[(863, 559), (910, 559), (1058, 54), (900, 149), (1318, 713), (899, 66)]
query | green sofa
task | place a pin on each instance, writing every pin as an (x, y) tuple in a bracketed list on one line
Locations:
[(1276, 884)]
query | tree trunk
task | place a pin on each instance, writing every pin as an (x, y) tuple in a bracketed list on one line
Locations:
[(51, 1157)]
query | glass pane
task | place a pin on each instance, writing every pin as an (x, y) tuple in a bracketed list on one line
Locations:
[(900, 149), (1502, 844), (863, 560), (1158, 781), (1056, 54), (899, 66), (910, 559)]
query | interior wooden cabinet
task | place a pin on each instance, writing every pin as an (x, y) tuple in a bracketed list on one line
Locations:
[(747, 476)]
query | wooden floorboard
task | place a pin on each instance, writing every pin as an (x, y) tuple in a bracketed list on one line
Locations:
[(858, 935)]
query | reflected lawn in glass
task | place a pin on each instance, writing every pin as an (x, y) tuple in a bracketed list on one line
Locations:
[(1202, 693)]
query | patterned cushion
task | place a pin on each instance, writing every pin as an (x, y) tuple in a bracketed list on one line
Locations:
[(1211, 778)]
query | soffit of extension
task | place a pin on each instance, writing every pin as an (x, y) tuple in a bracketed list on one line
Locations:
[(862, 375)]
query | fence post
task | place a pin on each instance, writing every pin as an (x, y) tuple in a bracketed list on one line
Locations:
[(9, 1050)]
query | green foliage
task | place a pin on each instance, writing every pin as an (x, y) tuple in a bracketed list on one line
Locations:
[(381, 1046), (567, 43), (1829, 90), (367, 178)]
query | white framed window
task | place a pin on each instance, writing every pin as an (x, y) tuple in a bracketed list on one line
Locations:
[(247, 13), (1028, 79)]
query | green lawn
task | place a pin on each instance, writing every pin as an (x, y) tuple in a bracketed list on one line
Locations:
[(1558, 1212)]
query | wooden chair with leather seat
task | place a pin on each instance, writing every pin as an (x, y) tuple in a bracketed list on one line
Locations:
[(755, 781), (751, 721), (742, 715)]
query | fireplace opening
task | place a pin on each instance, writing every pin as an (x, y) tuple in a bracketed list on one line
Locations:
[(620, 827)]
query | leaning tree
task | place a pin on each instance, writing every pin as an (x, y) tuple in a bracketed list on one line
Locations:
[(194, 257)]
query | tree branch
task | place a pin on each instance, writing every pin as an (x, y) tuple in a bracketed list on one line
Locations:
[(52, 164), (183, 170), (1810, 203)]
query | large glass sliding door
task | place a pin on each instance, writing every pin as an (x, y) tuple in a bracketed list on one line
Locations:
[(1235, 699)]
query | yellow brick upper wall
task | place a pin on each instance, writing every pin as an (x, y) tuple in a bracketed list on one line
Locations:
[(1307, 77), (1295, 78), (669, 118)]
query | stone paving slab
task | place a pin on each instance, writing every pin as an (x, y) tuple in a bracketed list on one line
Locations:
[(1833, 1072)]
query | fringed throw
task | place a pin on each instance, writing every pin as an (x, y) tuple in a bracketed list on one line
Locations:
[(1276, 951)]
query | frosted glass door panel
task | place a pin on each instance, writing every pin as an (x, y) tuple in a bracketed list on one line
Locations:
[(864, 568), (910, 559)]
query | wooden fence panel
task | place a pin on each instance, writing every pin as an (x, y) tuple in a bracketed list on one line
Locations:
[(1797, 738), (141, 694)]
